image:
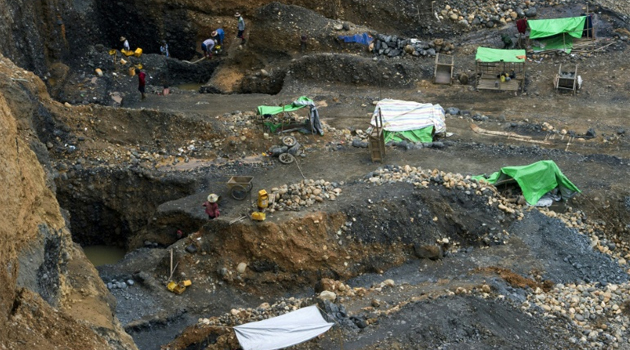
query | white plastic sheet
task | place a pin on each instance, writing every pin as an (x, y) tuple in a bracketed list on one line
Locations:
[(409, 115), (282, 331)]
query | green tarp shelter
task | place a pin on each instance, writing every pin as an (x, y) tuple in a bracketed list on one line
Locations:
[(557, 33), (273, 110), (535, 180), (486, 54), (419, 135), (543, 28)]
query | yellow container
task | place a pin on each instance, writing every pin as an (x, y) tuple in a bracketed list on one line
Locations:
[(187, 283), (259, 216), (263, 199), (138, 52), (132, 71)]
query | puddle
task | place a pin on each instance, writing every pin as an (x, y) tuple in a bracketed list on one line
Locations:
[(103, 254), (189, 87)]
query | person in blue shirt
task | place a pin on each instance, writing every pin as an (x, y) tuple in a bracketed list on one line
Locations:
[(164, 49), (218, 35)]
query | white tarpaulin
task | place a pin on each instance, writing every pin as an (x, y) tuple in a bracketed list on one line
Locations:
[(409, 115), (282, 331)]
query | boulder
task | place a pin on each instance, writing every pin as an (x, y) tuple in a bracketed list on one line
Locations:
[(327, 296), (428, 251)]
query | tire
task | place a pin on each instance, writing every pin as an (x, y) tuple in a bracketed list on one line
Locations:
[(238, 192), (289, 141), (286, 158)]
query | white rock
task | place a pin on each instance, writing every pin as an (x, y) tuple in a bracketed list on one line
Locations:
[(328, 295)]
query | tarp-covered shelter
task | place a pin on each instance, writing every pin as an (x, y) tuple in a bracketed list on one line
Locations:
[(535, 180), (282, 331), (303, 101), (492, 63), (409, 120), (559, 33)]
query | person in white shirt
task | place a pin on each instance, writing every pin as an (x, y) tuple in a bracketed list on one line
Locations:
[(207, 47), (125, 43)]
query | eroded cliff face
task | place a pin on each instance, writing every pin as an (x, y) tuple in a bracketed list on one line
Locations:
[(50, 295)]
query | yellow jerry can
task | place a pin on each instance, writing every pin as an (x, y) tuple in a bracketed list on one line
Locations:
[(259, 216), (138, 52), (263, 199)]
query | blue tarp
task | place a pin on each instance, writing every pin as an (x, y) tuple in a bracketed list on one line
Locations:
[(364, 38)]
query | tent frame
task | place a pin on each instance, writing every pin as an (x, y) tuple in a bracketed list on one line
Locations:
[(487, 72), (443, 72), (376, 140)]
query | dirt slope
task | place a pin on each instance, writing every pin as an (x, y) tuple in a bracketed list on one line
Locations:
[(51, 296)]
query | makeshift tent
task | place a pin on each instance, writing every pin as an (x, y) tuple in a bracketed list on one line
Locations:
[(408, 120), (272, 110), (535, 180), (557, 33), (300, 103), (364, 38), (492, 63), (486, 54), (542, 28), (282, 331)]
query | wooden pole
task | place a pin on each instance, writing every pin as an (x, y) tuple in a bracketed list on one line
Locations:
[(171, 263)]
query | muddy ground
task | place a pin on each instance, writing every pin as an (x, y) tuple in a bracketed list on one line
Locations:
[(132, 172)]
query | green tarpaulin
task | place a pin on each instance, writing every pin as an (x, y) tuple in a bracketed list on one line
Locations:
[(419, 135), (554, 43), (542, 28), (272, 110), (535, 180), (486, 54)]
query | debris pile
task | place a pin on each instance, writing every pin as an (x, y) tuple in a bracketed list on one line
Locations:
[(393, 46), (600, 313), (303, 194), (491, 14)]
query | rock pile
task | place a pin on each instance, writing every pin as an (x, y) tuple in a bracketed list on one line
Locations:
[(600, 313), (303, 194), (263, 311), (489, 13), (393, 46)]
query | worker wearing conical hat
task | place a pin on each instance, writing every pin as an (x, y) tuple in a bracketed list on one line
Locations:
[(212, 207), (218, 36), (125, 43)]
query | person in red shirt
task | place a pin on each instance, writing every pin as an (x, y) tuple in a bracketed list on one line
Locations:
[(141, 81), (212, 208)]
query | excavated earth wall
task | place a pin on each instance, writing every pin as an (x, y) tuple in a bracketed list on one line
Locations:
[(51, 295)]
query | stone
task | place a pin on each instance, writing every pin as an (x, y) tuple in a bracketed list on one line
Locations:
[(427, 251), (463, 79), (590, 133), (452, 111), (328, 296), (531, 12), (241, 268), (359, 143)]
